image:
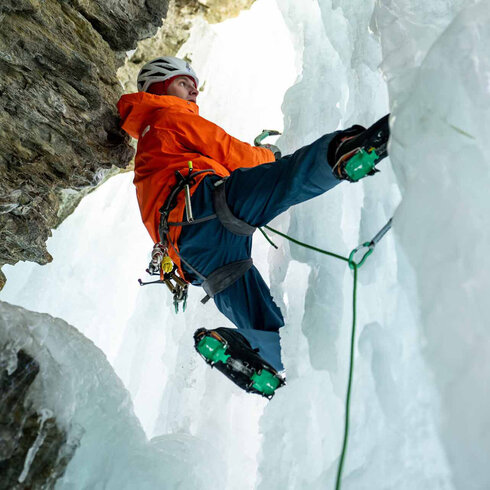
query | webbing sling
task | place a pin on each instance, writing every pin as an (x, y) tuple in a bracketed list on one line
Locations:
[(227, 218), (224, 276)]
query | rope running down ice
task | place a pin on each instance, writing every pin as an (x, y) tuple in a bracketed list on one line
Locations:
[(354, 266)]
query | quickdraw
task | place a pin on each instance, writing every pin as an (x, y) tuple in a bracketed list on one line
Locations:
[(369, 245)]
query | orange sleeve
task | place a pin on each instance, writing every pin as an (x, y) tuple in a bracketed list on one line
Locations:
[(198, 134)]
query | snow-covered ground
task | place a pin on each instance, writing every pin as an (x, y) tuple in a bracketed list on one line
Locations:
[(420, 399)]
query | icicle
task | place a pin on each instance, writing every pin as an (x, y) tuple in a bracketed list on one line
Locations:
[(41, 435)]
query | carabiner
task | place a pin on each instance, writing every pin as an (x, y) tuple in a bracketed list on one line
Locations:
[(370, 249)]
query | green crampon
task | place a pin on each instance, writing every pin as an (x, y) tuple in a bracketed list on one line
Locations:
[(265, 382), (212, 350), (359, 165)]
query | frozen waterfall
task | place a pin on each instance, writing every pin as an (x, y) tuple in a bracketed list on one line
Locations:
[(420, 402)]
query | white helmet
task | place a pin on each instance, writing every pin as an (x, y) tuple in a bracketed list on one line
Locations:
[(161, 69)]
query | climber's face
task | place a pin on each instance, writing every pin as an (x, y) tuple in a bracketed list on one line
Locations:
[(184, 88)]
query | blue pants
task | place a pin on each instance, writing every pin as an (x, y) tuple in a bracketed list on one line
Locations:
[(256, 195)]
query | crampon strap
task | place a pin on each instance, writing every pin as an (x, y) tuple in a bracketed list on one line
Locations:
[(223, 211)]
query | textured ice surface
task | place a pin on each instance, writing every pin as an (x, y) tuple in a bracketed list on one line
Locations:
[(440, 153), (420, 400), (89, 402)]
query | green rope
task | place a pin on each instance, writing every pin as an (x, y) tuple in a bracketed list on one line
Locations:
[(349, 384), (267, 238), (353, 265), (305, 244)]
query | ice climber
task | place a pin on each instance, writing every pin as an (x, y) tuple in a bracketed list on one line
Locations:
[(203, 214)]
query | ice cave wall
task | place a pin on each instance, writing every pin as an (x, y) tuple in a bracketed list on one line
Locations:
[(420, 412), (438, 80)]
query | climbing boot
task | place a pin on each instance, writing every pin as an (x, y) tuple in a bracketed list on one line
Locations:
[(231, 353), (355, 152)]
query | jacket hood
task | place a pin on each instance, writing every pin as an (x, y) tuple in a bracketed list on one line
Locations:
[(135, 109)]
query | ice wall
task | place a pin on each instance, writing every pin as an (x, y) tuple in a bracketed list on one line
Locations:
[(394, 405), (439, 153), (420, 411), (79, 388), (420, 401)]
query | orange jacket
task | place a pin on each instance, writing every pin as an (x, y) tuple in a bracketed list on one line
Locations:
[(170, 132)]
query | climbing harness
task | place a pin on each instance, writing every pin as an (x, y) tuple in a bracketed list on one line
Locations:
[(354, 266), (224, 214), (162, 265), (226, 275)]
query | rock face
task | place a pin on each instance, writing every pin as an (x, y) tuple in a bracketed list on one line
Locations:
[(58, 121), (33, 450)]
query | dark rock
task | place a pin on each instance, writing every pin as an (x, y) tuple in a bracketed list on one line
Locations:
[(123, 23), (22, 431), (59, 127)]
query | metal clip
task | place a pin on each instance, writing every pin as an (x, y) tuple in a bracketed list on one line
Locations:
[(369, 245), (188, 206), (370, 249)]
